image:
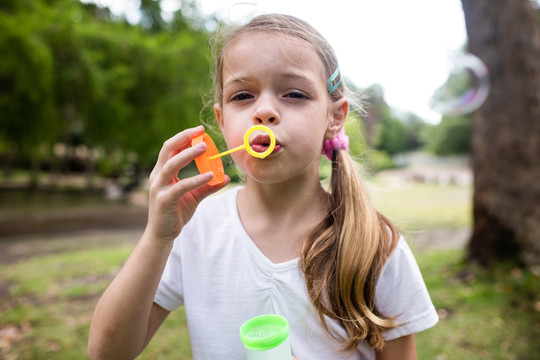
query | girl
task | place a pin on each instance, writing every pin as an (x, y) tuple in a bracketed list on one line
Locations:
[(327, 261)]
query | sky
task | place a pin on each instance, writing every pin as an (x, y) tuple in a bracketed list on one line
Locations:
[(402, 45)]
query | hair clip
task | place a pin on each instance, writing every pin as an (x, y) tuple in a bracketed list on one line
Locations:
[(333, 84)]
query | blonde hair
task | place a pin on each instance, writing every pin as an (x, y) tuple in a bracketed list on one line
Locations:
[(343, 257), (282, 24)]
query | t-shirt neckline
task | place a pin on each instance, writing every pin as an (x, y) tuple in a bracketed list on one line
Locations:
[(261, 258)]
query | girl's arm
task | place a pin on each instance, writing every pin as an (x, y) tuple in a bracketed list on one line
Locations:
[(403, 348), (126, 317)]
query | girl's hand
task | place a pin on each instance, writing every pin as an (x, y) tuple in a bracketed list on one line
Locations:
[(172, 201)]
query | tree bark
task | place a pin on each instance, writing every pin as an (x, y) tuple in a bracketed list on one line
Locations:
[(505, 35)]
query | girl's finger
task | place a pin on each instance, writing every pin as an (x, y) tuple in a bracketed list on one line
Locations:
[(176, 144), (170, 169), (189, 184), (200, 193)]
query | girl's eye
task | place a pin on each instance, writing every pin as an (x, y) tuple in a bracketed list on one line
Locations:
[(241, 96), (296, 95)]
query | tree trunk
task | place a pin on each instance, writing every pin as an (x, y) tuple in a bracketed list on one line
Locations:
[(506, 132)]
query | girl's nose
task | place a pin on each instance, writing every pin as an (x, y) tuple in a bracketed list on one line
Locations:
[(266, 113)]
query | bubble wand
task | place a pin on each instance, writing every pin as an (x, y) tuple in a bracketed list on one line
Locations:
[(210, 159)]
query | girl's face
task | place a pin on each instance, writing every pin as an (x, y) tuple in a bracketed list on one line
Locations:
[(276, 81)]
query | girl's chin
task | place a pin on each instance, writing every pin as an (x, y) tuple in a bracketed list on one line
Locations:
[(263, 176)]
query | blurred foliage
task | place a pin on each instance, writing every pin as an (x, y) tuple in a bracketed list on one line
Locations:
[(391, 135), (78, 82), (72, 73), (450, 137), (387, 132)]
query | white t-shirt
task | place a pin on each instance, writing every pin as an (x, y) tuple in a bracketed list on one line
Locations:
[(223, 279)]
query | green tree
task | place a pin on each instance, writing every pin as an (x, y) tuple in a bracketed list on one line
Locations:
[(452, 136), (391, 134), (415, 127), (384, 131), (72, 73), (28, 118), (151, 19)]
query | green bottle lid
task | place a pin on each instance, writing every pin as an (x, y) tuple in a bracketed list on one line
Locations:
[(264, 332)]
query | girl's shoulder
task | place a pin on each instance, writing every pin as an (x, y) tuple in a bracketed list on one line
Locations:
[(400, 270), (401, 254)]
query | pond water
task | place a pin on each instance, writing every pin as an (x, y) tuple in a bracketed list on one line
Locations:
[(15, 202)]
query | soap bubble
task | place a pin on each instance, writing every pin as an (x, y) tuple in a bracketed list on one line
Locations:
[(465, 88), (239, 12)]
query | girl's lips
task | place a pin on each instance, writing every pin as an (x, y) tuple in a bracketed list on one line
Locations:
[(261, 143)]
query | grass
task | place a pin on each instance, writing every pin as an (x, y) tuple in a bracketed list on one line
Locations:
[(46, 301), (47, 311), (484, 314), (418, 206), (51, 299)]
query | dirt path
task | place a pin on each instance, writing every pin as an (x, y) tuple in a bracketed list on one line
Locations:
[(16, 248), (438, 239)]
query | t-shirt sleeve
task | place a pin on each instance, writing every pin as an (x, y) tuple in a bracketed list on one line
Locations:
[(401, 292), (169, 294)]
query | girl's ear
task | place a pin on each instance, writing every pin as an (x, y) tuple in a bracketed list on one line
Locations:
[(219, 118), (337, 118)]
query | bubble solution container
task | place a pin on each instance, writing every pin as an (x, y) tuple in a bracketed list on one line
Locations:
[(266, 337)]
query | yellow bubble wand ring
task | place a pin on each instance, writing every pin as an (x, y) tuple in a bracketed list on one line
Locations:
[(248, 148), (210, 160)]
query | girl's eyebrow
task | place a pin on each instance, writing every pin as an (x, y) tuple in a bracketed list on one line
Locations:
[(237, 80), (247, 80), (294, 76), (306, 80)]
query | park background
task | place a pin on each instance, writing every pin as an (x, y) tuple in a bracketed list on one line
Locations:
[(86, 101)]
